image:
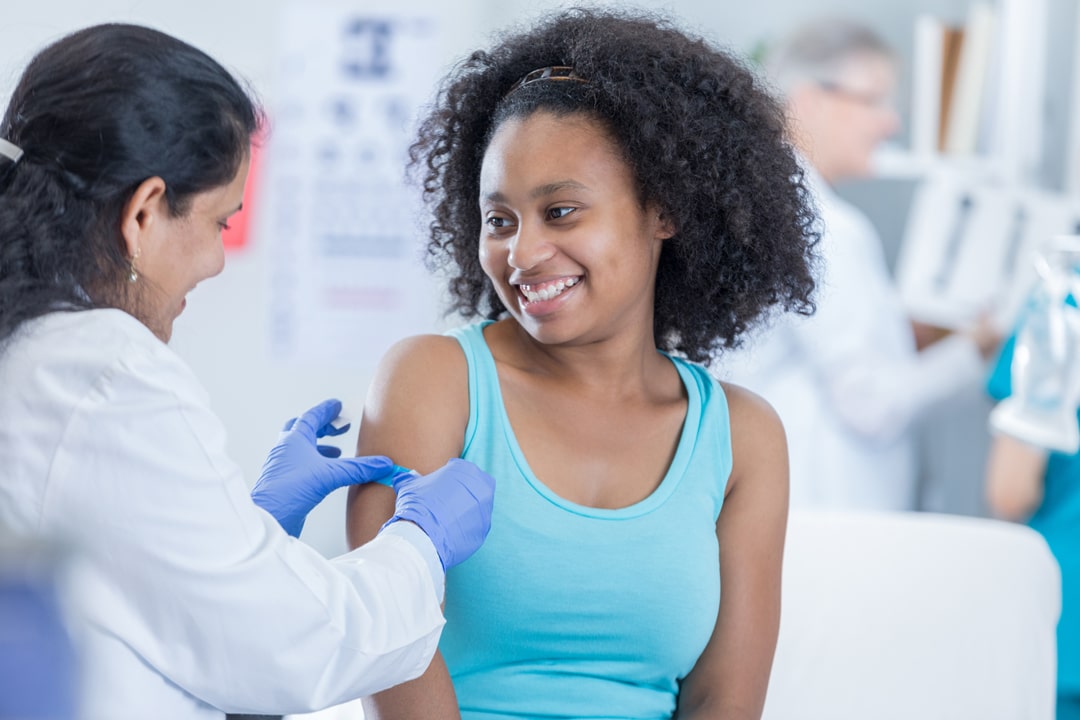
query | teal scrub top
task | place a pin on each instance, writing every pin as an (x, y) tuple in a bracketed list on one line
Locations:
[(1058, 520)]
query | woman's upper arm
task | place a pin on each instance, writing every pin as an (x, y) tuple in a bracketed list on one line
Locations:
[(415, 412), (730, 678)]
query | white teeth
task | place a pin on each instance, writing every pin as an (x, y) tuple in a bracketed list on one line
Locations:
[(548, 292)]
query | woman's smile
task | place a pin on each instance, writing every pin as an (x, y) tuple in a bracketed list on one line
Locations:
[(539, 298)]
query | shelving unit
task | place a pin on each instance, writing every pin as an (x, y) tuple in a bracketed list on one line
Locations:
[(1010, 143), (894, 162), (1072, 145), (1009, 175), (978, 217)]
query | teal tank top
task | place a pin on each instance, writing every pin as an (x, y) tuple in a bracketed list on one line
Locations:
[(570, 611)]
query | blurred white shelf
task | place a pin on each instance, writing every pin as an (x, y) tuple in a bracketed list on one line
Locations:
[(895, 163)]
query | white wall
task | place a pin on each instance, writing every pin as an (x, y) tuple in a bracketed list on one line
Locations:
[(223, 331)]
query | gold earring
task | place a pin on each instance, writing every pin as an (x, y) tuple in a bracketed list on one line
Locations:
[(132, 274)]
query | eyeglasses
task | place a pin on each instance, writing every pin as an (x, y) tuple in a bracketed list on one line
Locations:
[(868, 99)]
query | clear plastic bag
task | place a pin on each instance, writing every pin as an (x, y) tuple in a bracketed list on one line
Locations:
[(1046, 359)]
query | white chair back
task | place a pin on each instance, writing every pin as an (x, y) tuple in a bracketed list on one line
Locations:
[(915, 616)]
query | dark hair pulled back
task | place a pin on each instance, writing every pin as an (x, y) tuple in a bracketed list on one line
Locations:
[(706, 144), (96, 114)]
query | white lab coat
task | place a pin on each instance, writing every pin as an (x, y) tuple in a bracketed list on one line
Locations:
[(848, 382), (192, 601)]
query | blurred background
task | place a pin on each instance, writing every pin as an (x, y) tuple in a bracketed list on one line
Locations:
[(324, 272)]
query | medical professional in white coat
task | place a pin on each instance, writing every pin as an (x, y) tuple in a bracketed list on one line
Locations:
[(849, 381), (123, 153)]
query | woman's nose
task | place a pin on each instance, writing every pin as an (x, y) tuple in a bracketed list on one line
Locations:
[(529, 247)]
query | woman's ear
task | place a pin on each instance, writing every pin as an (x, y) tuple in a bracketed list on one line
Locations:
[(142, 212), (665, 226)]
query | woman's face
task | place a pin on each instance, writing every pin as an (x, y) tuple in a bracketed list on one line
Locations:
[(180, 252), (565, 240)]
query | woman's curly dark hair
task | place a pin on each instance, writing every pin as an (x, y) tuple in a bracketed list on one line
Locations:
[(706, 144)]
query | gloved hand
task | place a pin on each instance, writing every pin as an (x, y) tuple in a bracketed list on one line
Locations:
[(298, 473), (452, 505)]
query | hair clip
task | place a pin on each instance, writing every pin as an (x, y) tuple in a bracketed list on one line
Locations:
[(10, 150), (553, 72)]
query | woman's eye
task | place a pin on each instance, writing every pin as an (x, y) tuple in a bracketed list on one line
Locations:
[(559, 212), (497, 222)]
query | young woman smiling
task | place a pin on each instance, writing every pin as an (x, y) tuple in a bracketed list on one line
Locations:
[(618, 202)]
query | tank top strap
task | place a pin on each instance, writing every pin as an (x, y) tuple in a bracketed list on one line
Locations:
[(484, 398)]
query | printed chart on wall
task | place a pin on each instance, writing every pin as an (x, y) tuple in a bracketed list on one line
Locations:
[(344, 228)]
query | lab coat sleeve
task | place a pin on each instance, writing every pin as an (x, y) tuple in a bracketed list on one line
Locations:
[(878, 384), (206, 587)]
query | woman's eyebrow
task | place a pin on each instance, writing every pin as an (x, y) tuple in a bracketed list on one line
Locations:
[(552, 188), (541, 191)]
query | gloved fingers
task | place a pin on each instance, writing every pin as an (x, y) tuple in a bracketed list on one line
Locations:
[(288, 425), (481, 491), (310, 423), (329, 451), (461, 465), (356, 470), (476, 482), (401, 474), (480, 486), (452, 505), (329, 429)]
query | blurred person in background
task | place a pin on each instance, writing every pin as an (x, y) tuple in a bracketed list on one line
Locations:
[(1040, 487), (849, 381)]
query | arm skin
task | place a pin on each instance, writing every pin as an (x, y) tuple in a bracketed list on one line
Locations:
[(731, 676), (415, 412), (1014, 478)]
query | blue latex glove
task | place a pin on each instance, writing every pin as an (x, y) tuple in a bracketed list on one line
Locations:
[(298, 473), (451, 505)]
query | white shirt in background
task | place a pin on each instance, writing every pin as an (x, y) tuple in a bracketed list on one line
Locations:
[(848, 381)]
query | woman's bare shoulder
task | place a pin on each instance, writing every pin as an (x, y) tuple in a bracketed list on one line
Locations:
[(746, 406), (758, 441), (417, 406), (421, 362)]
